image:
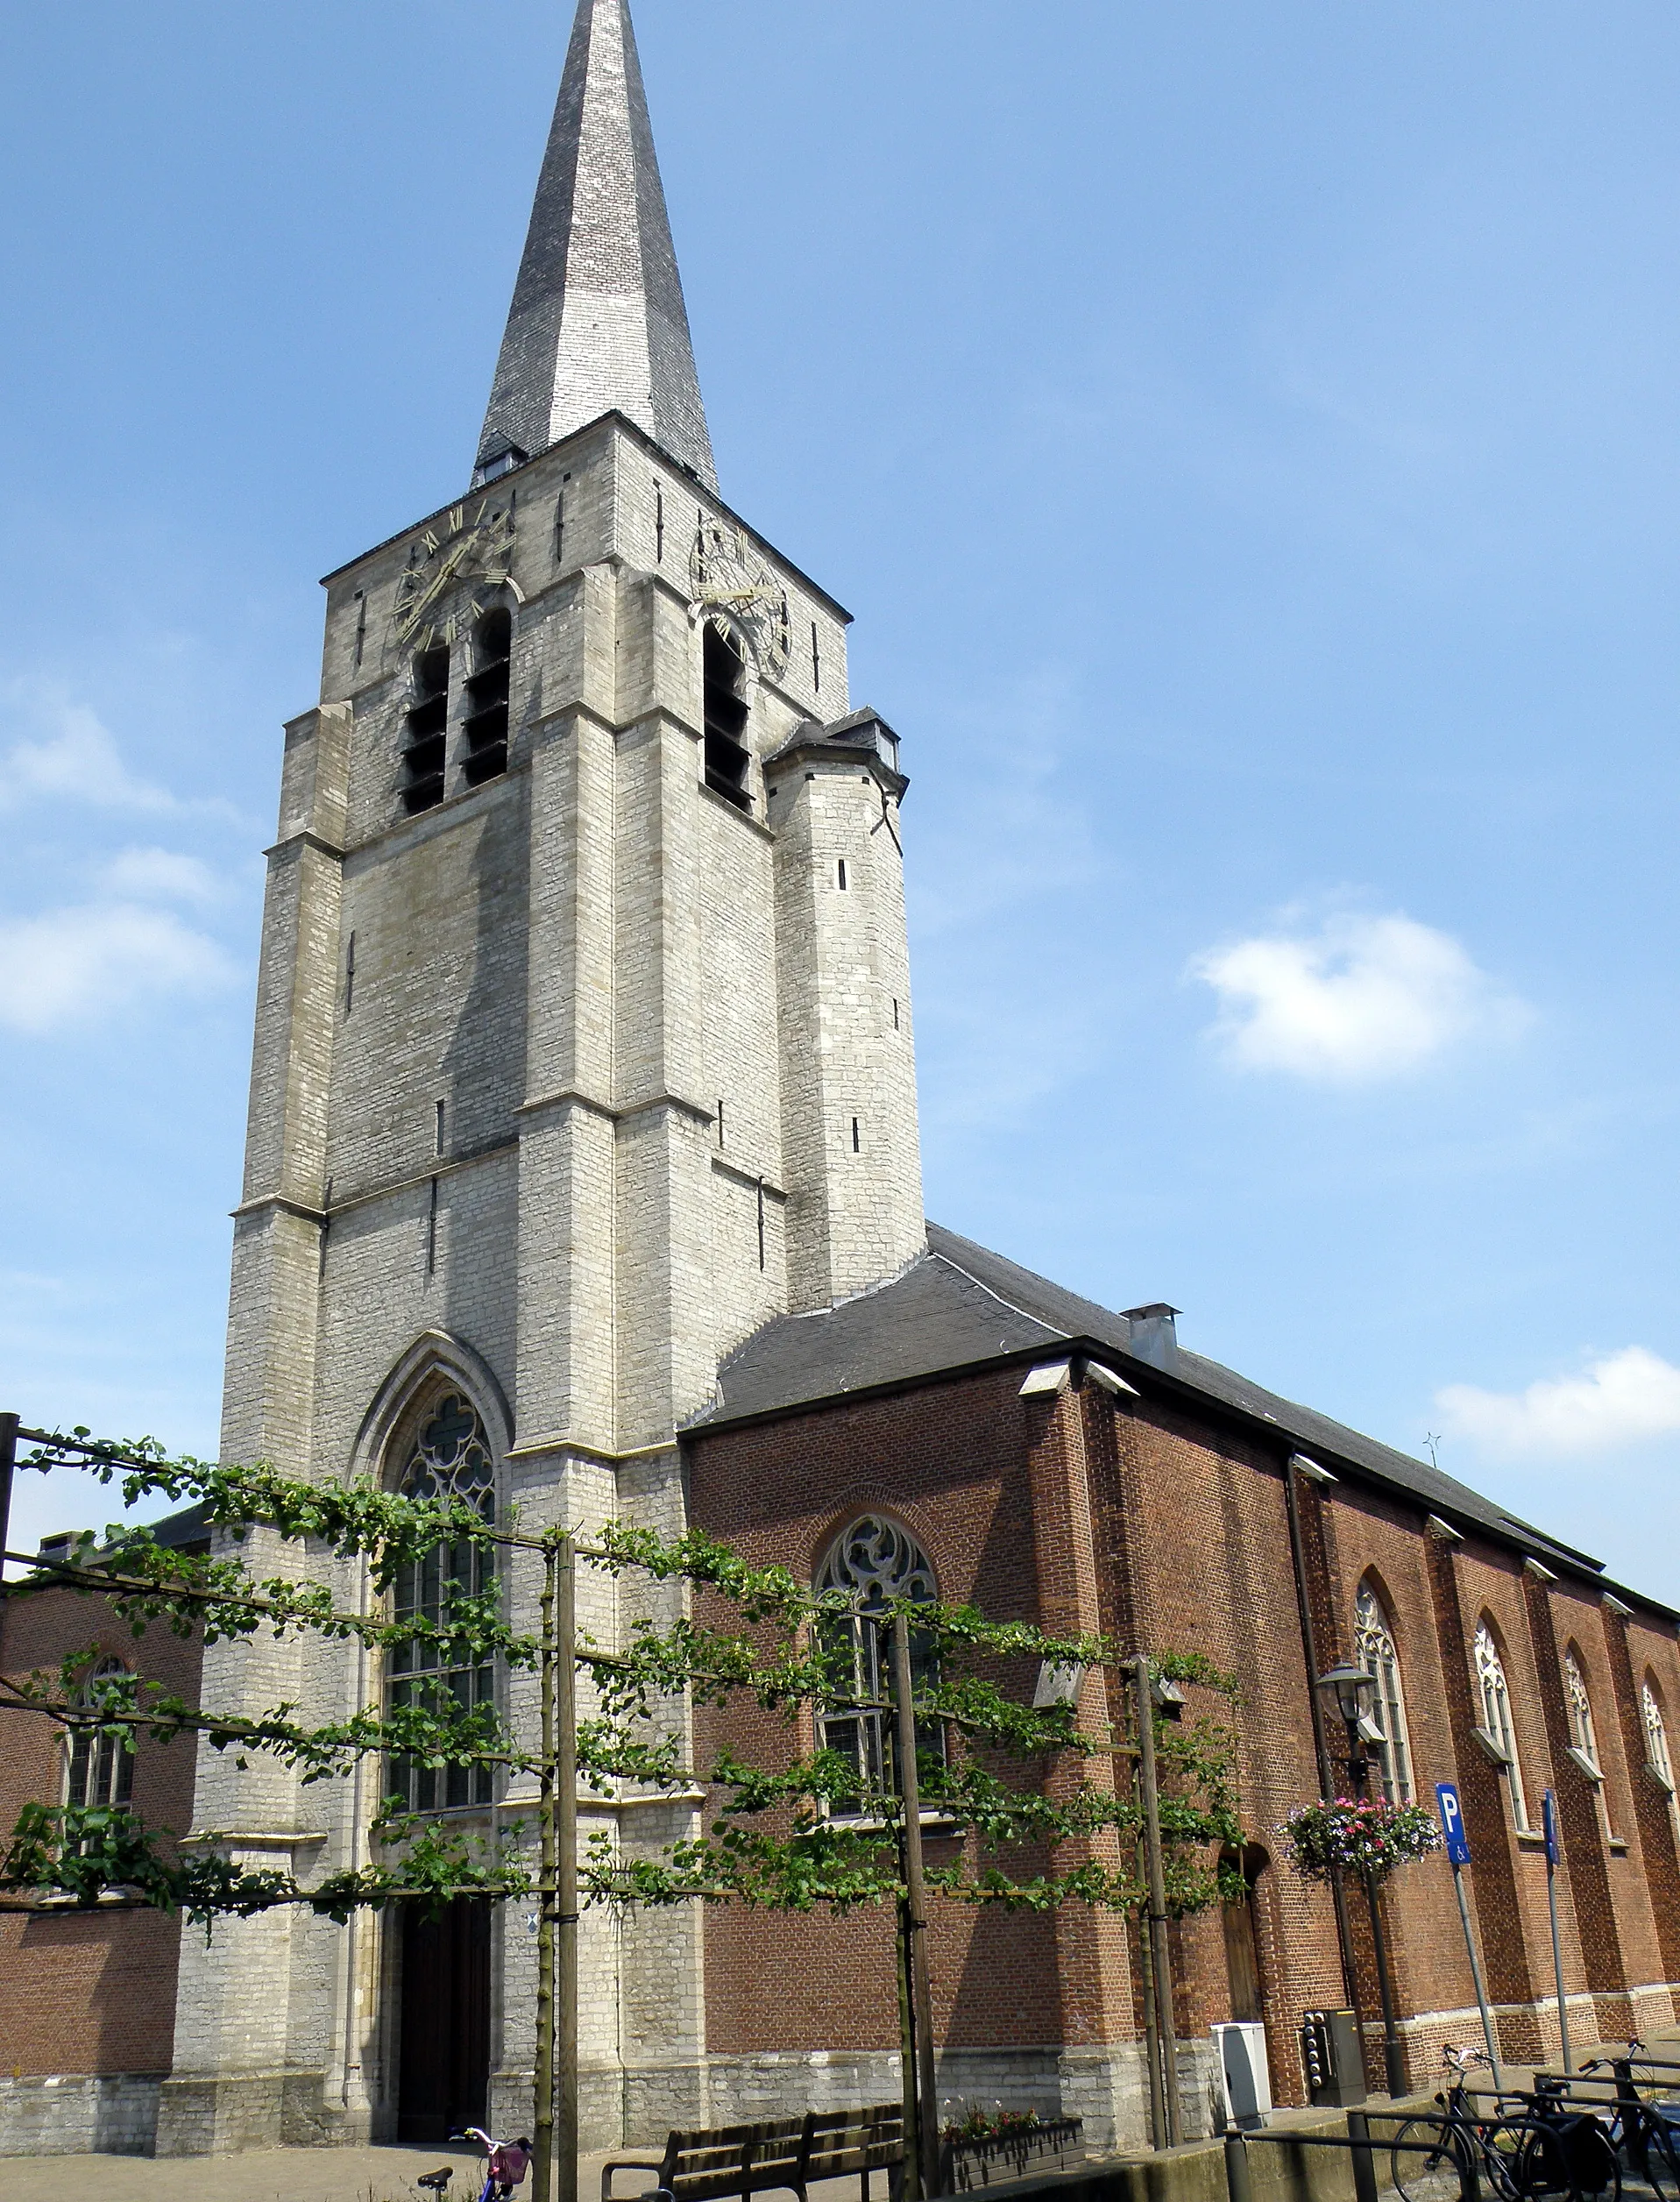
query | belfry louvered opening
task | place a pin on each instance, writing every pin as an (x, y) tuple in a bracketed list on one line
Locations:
[(425, 733), (487, 689), (728, 757)]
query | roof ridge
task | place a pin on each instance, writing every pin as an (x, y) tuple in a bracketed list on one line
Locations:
[(991, 1291)]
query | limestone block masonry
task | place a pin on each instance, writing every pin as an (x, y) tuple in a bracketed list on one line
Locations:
[(562, 1086)]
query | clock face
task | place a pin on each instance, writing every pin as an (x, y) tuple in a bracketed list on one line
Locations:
[(731, 587), (453, 571)]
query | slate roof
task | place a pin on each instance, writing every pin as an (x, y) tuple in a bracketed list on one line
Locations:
[(598, 322), (959, 1306)]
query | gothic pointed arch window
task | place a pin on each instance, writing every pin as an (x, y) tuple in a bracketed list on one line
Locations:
[(449, 1458), (1656, 1738), (1583, 1739), (1584, 1736), (1497, 1729), (100, 1768), (873, 1562), (1373, 1643), (1657, 1758)]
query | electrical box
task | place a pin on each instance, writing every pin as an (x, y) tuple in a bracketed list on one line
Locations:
[(1246, 2073), (1329, 2050)]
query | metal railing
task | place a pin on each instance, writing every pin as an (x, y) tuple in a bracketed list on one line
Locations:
[(1358, 2142)]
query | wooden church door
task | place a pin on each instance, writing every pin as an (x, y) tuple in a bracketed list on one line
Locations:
[(444, 2081)]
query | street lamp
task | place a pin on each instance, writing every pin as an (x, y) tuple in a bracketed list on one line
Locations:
[(1353, 1691)]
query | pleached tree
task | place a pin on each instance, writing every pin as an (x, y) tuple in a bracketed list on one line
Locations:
[(1032, 1788)]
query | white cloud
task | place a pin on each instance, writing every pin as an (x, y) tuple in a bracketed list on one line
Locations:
[(74, 758), (73, 966), (1622, 1398), (159, 875), (1362, 998)]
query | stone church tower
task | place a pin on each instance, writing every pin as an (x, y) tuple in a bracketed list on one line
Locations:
[(582, 1050)]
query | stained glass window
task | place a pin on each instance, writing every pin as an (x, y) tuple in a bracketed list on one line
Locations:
[(1374, 1649), (872, 1562), (450, 1460), (101, 1767), (1656, 1740), (1582, 1733), (1496, 1716)]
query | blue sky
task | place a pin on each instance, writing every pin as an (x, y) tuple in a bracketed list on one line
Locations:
[(1248, 438)]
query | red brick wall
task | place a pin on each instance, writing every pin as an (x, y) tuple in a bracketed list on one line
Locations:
[(951, 1463), (1171, 1530), (89, 1992)]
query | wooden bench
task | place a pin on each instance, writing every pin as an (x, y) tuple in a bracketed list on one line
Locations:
[(704, 2164)]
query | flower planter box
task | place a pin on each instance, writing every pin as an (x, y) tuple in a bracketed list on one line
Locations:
[(977, 2159)]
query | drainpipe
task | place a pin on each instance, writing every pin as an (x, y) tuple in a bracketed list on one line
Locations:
[(1321, 1744)]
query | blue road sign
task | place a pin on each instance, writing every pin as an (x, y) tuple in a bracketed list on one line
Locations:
[(1548, 1820), (1452, 1822)]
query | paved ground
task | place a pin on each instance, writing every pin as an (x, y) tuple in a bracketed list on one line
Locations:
[(265, 2175), (294, 2175)]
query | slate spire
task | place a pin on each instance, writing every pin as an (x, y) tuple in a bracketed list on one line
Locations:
[(598, 318)]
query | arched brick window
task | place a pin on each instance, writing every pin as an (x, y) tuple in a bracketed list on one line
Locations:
[(1373, 1643), (1584, 1736), (449, 1458), (1656, 1740), (101, 1767), (1497, 1728), (1657, 1758), (873, 1561)]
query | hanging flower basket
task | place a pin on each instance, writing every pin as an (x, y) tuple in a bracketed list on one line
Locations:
[(1358, 1836)]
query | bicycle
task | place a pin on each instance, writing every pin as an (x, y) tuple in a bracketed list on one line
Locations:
[(1539, 2153), (506, 2164), (1643, 2133)]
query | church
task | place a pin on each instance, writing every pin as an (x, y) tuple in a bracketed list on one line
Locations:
[(583, 1171)]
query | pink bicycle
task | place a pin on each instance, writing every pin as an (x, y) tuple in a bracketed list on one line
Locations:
[(506, 2164)]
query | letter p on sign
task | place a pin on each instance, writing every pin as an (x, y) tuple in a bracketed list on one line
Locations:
[(1452, 1822)]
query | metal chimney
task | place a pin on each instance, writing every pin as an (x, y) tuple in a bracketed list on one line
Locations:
[(1154, 1335)]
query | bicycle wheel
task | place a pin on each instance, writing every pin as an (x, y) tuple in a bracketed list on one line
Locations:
[(1660, 2168), (1501, 2145), (1436, 2175), (1568, 2164)]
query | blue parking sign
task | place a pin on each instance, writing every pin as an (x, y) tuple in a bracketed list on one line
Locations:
[(1548, 1820), (1452, 1822)]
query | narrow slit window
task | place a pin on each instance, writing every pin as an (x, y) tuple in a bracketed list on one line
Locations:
[(816, 660), (560, 522), (425, 734), (438, 1148), (350, 976), (857, 1138), (760, 1222), (894, 1012), (431, 1233), (719, 1123), (659, 527), (724, 677), (842, 875), (487, 691), (361, 624)]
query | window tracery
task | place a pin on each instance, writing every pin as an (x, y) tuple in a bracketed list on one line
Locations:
[(450, 1460), (871, 1564), (1374, 1649), (1497, 1725), (1583, 1739), (1582, 1733), (1656, 1740), (101, 1766)]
